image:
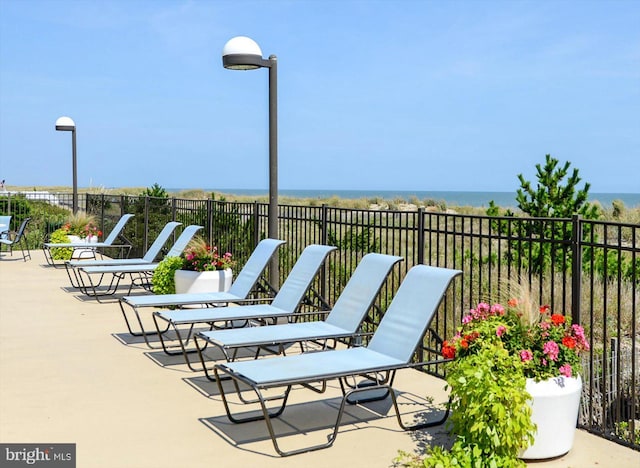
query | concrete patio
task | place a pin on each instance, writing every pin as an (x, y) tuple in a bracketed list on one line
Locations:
[(69, 373)]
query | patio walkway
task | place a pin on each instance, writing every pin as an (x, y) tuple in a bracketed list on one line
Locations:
[(70, 374)]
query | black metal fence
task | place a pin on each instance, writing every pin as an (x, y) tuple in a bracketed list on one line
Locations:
[(583, 268)]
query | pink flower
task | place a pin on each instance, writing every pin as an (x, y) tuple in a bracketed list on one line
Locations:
[(467, 319), (578, 331), (526, 355), (483, 308), (500, 330), (497, 309), (551, 349), (565, 370)]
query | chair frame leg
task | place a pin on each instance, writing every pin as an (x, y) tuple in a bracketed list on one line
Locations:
[(267, 415)]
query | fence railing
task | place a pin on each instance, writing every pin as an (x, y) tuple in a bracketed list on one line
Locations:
[(583, 268)]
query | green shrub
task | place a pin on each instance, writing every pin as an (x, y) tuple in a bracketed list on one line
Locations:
[(163, 276), (59, 236)]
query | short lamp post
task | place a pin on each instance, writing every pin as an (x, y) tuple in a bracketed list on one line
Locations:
[(243, 53), (66, 124)]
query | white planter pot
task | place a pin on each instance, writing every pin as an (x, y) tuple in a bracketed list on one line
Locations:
[(555, 408), (83, 253), (203, 281)]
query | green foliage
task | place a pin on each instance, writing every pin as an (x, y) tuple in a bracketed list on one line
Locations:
[(610, 264), (490, 414), (20, 209), (152, 206), (163, 276), (555, 196), (59, 236), (157, 199), (355, 240), (155, 191)]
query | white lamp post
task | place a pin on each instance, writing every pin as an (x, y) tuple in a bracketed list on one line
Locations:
[(242, 53), (66, 124)]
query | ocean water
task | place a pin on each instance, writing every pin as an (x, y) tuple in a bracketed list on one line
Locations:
[(451, 198)]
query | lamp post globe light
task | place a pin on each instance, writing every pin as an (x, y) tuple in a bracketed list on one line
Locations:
[(66, 124), (243, 53)]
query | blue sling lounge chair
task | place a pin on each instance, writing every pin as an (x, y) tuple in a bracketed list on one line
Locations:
[(343, 322), (95, 246), (140, 274), (284, 304), (391, 348), (240, 290), (149, 257), (19, 239)]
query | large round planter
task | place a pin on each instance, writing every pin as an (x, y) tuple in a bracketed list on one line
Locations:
[(79, 253), (203, 281), (555, 404)]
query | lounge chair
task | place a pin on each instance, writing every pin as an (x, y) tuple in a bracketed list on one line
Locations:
[(115, 233), (5, 226), (18, 239), (285, 303), (149, 257), (139, 274), (343, 322), (391, 348), (241, 288)]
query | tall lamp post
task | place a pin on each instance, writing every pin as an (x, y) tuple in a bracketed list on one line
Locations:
[(243, 53), (66, 124)]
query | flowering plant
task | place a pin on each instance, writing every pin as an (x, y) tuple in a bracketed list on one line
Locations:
[(88, 230), (547, 346), (199, 256), (81, 225)]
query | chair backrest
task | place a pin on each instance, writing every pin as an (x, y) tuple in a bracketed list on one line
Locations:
[(117, 229), (254, 266), (21, 229), (155, 248), (299, 279), (408, 316), (181, 242), (6, 220), (361, 290)]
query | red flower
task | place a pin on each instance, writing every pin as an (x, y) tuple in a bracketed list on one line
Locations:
[(569, 342), (464, 344), (448, 351), (544, 309), (557, 319)]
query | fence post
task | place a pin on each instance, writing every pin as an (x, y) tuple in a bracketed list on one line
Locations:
[(420, 235), (145, 237), (210, 226), (576, 268), (102, 212), (323, 224), (256, 223)]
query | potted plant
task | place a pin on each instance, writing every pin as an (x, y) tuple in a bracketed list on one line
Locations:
[(200, 268), (515, 386), (79, 227)]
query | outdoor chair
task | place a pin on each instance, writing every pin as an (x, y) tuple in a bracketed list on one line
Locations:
[(5, 226), (115, 233), (72, 266), (285, 303), (19, 238), (139, 274), (240, 290), (342, 323), (391, 348)]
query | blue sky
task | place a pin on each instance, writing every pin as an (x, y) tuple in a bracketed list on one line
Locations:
[(372, 95)]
